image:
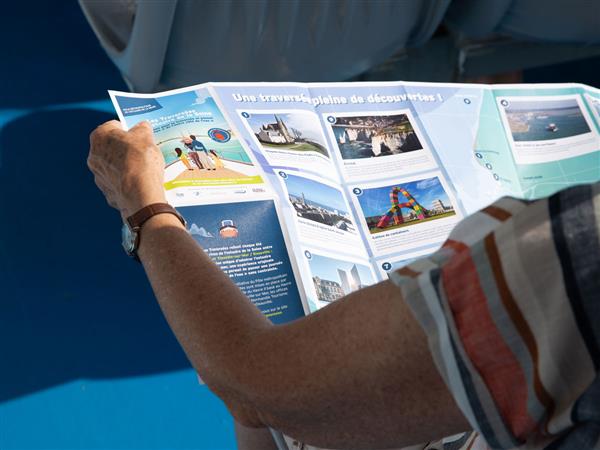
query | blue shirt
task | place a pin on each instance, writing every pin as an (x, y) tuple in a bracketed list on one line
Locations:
[(198, 146)]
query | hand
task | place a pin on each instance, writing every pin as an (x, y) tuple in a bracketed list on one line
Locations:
[(127, 166)]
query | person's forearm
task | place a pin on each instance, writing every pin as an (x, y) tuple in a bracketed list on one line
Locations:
[(210, 316), (290, 376)]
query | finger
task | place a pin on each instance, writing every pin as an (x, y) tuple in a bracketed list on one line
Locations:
[(105, 187), (113, 126), (142, 128), (102, 186), (94, 163), (144, 124), (111, 202)]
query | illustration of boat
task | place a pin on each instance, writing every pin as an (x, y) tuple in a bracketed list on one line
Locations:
[(552, 127), (228, 229)]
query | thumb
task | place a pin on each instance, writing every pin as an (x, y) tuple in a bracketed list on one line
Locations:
[(143, 131), (141, 127)]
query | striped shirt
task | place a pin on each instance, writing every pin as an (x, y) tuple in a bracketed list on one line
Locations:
[(511, 308)]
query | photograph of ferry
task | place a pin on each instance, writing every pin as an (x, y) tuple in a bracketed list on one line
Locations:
[(541, 120), (374, 136), (318, 202), (297, 132)]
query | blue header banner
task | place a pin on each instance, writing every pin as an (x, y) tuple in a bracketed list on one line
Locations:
[(132, 106)]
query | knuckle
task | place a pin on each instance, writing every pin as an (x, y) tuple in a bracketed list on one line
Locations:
[(112, 137), (94, 136)]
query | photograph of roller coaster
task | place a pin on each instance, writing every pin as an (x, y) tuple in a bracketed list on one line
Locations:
[(405, 204)]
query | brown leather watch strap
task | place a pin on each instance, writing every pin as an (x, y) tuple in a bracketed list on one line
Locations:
[(136, 220)]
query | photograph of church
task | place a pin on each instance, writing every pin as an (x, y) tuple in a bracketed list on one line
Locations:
[(297, 132), (277, 133)]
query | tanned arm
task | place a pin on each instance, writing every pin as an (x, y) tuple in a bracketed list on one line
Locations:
[(357, 373)]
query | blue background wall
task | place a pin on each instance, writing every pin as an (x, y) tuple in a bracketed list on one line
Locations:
[(86, 359)]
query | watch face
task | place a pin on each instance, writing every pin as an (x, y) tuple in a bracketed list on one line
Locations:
[(128, 239)]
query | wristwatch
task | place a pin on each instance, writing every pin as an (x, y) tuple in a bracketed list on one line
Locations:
[(130, 233)]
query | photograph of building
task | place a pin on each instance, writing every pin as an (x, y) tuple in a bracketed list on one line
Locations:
[(327, 290), (375, 136), (295, 131), (318, 202), (277, 133), (541, 120), (334, 278), (405, 204)]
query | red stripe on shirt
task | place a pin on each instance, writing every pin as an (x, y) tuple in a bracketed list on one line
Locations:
[(483, 343)]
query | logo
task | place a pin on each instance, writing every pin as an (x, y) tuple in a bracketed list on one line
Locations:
[(219, 135)]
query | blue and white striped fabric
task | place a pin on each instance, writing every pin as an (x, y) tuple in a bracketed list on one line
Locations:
[(511, 306)]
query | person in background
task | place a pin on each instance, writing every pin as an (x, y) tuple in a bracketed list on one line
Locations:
[(199, 148), (215, 157), (187, 142), (183, 158), (498, 331)]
